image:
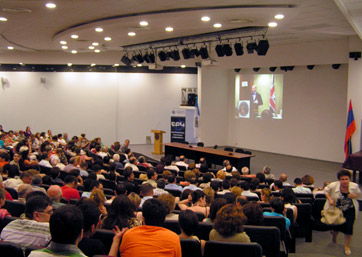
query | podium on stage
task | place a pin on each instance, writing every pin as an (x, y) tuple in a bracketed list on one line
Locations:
[(158, 141)]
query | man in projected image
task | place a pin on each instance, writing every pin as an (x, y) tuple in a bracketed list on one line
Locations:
[(255, 101)]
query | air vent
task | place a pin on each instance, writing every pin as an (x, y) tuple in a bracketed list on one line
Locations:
[(16, 10), (139, 28), (241, 21)]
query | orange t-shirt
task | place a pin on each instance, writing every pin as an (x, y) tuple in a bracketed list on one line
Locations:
[(146, 241)]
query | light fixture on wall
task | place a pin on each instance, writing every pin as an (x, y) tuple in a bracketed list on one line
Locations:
[(336, 66), (256, 69), (310, 67), (272, 69)]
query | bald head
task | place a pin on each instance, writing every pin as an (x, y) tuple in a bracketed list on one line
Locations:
[(283, 177), (245, 170), (24, 190), (55, 193)]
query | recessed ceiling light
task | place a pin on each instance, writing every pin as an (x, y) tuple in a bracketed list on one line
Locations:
[(63, 42), (99, 29), (169, 29), (93, 64), (217, 25), (74, 36), (69, 64), (74, 51), (139, 65), (22, 64), (97, 51), (95, 43), (131, 34), (50, 5), (3, 19), (143, 23), (108, 38), (116, 65), (64, 47), (272, 24), (183, 66), (91, 47), (205, 18), (279, 16), (10, 47)]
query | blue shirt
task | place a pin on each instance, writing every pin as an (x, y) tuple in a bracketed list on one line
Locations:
[(173, 187), (287, 221)]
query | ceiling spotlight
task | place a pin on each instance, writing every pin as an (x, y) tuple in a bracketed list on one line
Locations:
[(10, 47), (149, 58), (227, 50), (219, 51), (279, 16), (74, 51), (169, 29), (162, 56), (272, 69), (107, 38), (95, 44), (194, 53), (74, 36), (97, 51), (217, 25), (99, 29), (91, 47), (256, 69), (3, 19), (131, 34), (238, 49), (204, 53), (175, 55), (64, 47), (272, 24), (69, 64), (183, 66), (336, 66), (251, 47), (186, 53), (116, 64), (139, 65), (262, 47), (205, 18), (63, 42), (310, 67), (138, 58), (50, 5), (93, 64), (143, 23), (126, 60)]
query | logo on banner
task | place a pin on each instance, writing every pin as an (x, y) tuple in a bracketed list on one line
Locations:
[(178, 125)]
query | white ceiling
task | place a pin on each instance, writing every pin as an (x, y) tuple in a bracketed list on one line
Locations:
[(41, 29)]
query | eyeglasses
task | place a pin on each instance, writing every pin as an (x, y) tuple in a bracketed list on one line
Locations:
[(47, 212)]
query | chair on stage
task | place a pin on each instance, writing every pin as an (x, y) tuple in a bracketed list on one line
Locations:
[(200, 144), (229, 149), (239, 150)]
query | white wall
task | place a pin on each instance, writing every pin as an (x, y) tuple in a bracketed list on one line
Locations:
[(114, 106)]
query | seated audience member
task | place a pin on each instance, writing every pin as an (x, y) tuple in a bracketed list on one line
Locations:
[(254, 213), (36, 184), (220, 176), (25, 178), (45, 161), (228, 225), (182, 162), (266, 195), (169, 202), (166, 173), (241, 200), (214, 208), (261, 178), (55, 173), (98, 169), (254, 185), (68, 189), (230, 198), (152, 177), (170, 166), (188, 176), (135, 201), (245, 187), (308, 180), (210, 195), (288, 196), (198, 203), (320, 190), (267, 173), (186, 194), (277, 186), (94, 184), (299, 188), (151, 239), (236, 191), (277, 207), (226, 163), (124, 147), (172, 183), (283, 178), (160, 166), (192, 179), (142, 162), (146, 193), (245, 172), (34, 229), (188, 222), (121, 189), (215, 185), (3, 212), (83, 166), (117, 160), (55, 194), (121, 214), (159, 190), (98, 196), (132, 163), (225, 186), (206, 179), (23, 191)]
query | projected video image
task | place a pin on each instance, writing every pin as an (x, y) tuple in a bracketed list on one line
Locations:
[(259, 96)]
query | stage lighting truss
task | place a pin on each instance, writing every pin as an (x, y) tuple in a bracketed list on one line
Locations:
[(225, 42)]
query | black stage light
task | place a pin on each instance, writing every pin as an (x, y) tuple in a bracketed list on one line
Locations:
[(175, 55), (138, 58), (219, 50), (204, 53), (290, 67), (238, 49), (126, 60), (162, 56), (262, 47), (251, 47), (227, 50), (186, 53), (355, 55), (310, 67), (149, 58), (336, 66), (272, 69), (194, 52), (256, 69)]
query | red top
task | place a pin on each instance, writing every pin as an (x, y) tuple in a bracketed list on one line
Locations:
[(8, 196), (69, 193)]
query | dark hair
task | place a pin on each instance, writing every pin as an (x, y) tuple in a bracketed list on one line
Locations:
[(185, 194), (342, 173), (36, 202), (93, 183), (188, 222), (225, 184), (297, 181), (161, 183), (254, 213), (214, 185), (288, 195), (154, 212), (277, 204), (171, 178), (244, 185), (230, 197), (90, 212), (66, 224), (119, 213), (196, 195), (121, 189), (54, 172), (70, 179), (216, 206), (254, 183), (150, 173), (229, 220), (278, 183), (127, 172), (261, 177), (206, 178), (146, 189)]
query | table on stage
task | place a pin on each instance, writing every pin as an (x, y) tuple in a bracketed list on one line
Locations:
[(354, 162), (212, 156)]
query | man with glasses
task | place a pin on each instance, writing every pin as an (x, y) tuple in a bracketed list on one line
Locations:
[(34, 228)]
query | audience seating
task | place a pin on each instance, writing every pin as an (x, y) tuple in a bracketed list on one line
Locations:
[(10, 249), (181, 167), (267, 237), (172, 225), (269, 181), (190, 248), (108, 191), (203, 230), (304, 223), (106, 236), (141, 168), (303, 195), (174, 192), (14, 207), (6, 221), (305, 200), (30, 248), (107, 184), (318, 206), (230, 249), (12, 192), (278, 222), (45, 170), (201, 216)]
